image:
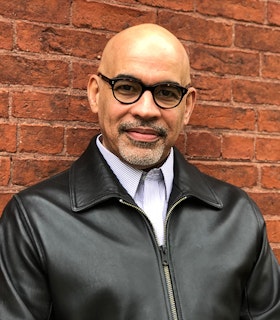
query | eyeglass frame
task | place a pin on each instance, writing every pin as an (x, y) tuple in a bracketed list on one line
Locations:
[(113, 81)]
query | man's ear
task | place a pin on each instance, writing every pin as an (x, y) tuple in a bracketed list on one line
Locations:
[(93, 93), (190, 103)]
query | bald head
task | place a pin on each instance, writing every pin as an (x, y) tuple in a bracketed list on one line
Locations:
[(146, 42)]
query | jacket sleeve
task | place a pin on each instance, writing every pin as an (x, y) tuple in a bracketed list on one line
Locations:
[(263, 287), (24, 293)]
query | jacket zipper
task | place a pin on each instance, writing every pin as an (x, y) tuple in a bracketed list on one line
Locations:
[(165, 263), (164, 255)]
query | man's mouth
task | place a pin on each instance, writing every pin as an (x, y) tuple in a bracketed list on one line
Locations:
[(143, 133)]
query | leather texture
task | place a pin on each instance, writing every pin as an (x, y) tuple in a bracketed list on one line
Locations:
[(76, 247)]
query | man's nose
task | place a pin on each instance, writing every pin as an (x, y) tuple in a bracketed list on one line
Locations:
[(146, 107)]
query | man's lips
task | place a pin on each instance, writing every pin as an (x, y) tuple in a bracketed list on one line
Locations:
[(143, 134)]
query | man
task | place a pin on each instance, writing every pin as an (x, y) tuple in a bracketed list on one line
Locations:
[(131, 230)]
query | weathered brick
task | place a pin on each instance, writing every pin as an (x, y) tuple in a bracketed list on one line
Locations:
[(223, 117), (203, 144), (205, 31), (182, 5), (273, 12), (112, 16), (71, 42), (46, 106), (258, 38), (269, 120), (77, 139), (238, 147), (271, 66), (38, 105), (81, 73), (38, 10), (212, 88), (268, 202), (79, 110), (273, 230), (276, 251), (237, 174), (42, 139), (248, 10), (29, 171), (28, 71), (224, 61), (256, 92), (4, 104), (268, 149), (6, 35), (270, 177), (4, 198), (5, 166), (8, 137)]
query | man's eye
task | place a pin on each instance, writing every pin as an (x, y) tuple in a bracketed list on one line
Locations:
[(168, 93), (126, 88)]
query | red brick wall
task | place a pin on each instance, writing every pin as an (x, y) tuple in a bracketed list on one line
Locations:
[(48, 48)]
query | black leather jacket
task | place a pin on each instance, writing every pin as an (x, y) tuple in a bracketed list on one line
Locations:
[(76, 247)]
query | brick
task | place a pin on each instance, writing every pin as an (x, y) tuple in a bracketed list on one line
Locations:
[(270, 177), (45, 106), (4, 198), (273, 12), (182, 5), (269, 120), (113, 17), (212, 88), (236, 174), (247, 10), (29, 171), (238, 147), (38, 105), (41, 139), (277, 253), (61, 41), (5, 166), (79, 110), (77, 139), (8, 137), (26, 71), (4, 104), (203, 144), (255, 92), (268, 202), (273, 230), (51, 11), (224, 61), (6, 35), (257, 38), (205, 31), (268, 149), (217, 117), (271, 66), (81, 73)]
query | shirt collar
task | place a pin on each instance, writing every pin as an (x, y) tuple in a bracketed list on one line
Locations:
[(130, 177)]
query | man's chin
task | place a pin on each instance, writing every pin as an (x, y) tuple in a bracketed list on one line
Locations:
[(142, 155)]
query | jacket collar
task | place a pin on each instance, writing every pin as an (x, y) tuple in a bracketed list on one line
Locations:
[(92, 181)]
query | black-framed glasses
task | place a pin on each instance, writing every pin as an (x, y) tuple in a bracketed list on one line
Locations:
[(128, 90)]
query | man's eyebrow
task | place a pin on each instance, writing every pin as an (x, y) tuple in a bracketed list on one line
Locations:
[(128, 76)]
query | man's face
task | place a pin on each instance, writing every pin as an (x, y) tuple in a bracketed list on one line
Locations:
[(141, 133)]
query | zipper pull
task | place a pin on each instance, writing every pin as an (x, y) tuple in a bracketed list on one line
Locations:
[(164, 256)]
